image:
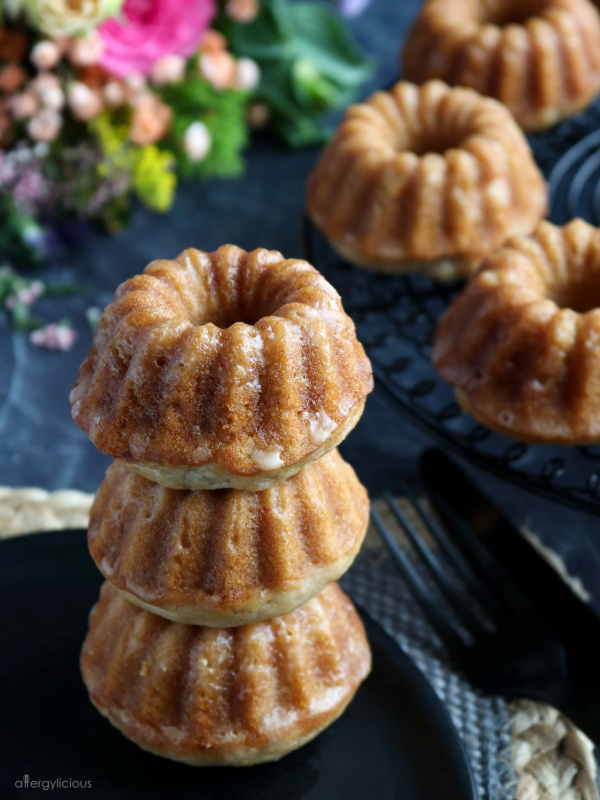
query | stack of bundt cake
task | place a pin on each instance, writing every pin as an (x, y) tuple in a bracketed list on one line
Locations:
[(222, 384)]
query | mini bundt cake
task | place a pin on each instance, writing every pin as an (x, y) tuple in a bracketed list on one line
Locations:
[(224, 369), (425, 178), (239, 696), (521, 342), (541, 58), (228, 557)]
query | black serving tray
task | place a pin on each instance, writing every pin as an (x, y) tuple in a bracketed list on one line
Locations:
[(396, 316)]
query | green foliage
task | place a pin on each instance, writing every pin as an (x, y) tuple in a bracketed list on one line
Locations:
[(20, 233), (12, 285), (150, 170), (154, 178), (309, 65), (224, 114)]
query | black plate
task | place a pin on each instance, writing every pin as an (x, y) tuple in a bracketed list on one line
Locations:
[(383, 747)]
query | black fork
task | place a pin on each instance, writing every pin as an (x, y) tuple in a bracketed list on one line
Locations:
[(495, 634)]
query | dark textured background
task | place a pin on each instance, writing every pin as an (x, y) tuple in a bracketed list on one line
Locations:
[(41, 446)]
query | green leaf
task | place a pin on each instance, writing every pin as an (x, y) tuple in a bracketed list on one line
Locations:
[(309, 65), (23, 320)]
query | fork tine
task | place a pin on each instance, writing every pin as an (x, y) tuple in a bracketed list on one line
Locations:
[(449, 589), (461, 566), (451, 638), (506, 591)]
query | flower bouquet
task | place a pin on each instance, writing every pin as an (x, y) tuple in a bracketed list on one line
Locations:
[(104, 102)]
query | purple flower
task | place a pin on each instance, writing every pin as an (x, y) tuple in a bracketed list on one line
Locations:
[(352, 8)]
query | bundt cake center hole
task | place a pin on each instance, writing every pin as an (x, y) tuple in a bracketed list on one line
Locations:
[(433, 142), (511, 12), (579, 298), (227, 316)]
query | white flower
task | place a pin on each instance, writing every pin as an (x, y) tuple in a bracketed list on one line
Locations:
[(197, 141), (69, 18), (247, 73), (45, 55), (45, 125), (114, 94)]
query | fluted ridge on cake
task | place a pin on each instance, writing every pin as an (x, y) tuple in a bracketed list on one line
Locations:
[(521, 342), (209, 696), (233, 363), (227, 557), (541, 58), (427, 178)]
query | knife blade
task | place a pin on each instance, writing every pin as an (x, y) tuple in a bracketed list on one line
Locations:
[(448, 486)]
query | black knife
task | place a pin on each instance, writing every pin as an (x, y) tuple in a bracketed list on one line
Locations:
[(454, 495)]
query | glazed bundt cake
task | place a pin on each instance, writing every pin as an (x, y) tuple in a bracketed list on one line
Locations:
[(224, 369), (228, 557), (235, 696), (521, 342), (425, 178), (541, 58)]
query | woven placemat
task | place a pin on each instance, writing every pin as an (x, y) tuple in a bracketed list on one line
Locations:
[(546, 757)]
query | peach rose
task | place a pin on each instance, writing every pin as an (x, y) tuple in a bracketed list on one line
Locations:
[(217, 68), (150, 121)]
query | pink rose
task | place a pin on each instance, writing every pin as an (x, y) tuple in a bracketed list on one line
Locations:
[(146, 30)]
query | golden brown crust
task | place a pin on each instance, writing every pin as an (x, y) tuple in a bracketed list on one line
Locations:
[(521, 342), (242, 360), (541, 58), (228, 557), (235, 696), (211, 476), (427, 177)]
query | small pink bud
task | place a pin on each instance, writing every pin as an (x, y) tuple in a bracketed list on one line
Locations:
[(84, 102), (114, 94), (62, 42), (53, 97), (242, 10), (38, 337), (23, 106), (45, 82), (45, 55), (258, 115), (54, 337), (135, 85), (45, 125), (87, 51)]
